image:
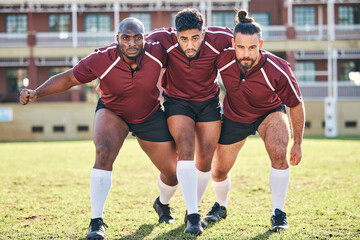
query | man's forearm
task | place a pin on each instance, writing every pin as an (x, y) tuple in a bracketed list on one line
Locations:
[(297, 117)]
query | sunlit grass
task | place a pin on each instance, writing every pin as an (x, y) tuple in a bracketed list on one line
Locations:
[(45, 193)]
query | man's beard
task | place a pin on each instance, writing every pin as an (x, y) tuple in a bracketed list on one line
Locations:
[(130, 57), (191, 58), (246, 67)]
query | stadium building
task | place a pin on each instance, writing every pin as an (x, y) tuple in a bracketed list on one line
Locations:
[(38, 39)]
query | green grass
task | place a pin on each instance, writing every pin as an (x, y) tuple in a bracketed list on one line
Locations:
[(44, 193)]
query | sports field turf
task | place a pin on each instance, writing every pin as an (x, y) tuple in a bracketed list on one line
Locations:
[(44, 193)]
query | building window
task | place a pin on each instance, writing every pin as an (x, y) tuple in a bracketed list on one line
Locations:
[(305, 71), (173, 19), (16, 79), (263, 19), (304, 16), (223, 19), (59, 23), (16, 23), (145, 18), (349, 15), (96, 23), (345, 67)]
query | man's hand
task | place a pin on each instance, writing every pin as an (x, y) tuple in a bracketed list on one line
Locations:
[(295, 154), (27, 96)]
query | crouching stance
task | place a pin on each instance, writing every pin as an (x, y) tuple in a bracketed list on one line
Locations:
[(128, 72), (258, 86)]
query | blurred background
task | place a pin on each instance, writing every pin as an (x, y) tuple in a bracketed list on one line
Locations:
[(39, 38)]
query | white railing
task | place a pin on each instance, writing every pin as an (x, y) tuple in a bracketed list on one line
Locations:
[(273, 33), (82, 39), (319, 32), (13, 39), (319, 90)]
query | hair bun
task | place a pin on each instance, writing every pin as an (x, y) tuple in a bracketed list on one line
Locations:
[(242, 17)]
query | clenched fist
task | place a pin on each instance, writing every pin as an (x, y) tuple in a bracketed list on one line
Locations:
[(27, 96)]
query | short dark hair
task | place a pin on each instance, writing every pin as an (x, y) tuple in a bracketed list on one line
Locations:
[(189, 18), (245, 24)]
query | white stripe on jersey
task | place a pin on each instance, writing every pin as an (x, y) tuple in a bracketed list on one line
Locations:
[(159, 31), (98, 51), (229, 48), (212, 48), (288, 78), (223, 32), (227, 65), (172, 47), (108, 70), (154, 58), (267, 80)]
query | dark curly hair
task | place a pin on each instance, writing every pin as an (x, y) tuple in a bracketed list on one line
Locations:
[(245, 24), (189, 18)]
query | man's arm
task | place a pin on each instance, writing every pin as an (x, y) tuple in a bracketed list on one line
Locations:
[(297, 118), (56, 84)]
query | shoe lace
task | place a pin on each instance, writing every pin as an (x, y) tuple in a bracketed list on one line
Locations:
[(280, 219), (214, 209), (167, 210), (98, 224)]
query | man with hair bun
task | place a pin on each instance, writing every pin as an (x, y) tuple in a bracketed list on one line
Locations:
[(258, 86), (192, 103)]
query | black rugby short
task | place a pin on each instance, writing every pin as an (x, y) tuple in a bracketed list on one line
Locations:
[(206, 111), (232, 132), (154, 129)]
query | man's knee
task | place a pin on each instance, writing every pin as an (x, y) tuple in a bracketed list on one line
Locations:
[(105, 156), (278, 155)]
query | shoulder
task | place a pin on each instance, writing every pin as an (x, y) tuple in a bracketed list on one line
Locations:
[(226, 59), (215, 32), (156, 52), (218, 38), (161, 32), (101, 53), (275, 60)]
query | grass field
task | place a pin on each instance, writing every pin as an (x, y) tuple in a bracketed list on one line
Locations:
[(44, 193)]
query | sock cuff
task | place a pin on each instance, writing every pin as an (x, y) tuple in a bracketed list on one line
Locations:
[(100, 173), (186, 164), (161, 184), (203, 174), (227, 180), (279, 172)]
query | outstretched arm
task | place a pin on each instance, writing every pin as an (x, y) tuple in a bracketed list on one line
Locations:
[(56, 84), (297, 117)]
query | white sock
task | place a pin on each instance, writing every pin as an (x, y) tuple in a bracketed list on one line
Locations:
[(222, 190), (187, 178), (100, 183), (203, 180), (279, 181), (166, 191)]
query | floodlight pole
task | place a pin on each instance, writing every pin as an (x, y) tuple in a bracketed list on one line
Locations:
[(331, 127)]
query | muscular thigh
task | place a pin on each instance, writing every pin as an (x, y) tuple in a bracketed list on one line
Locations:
[(109, 130), (164, 157), (224, 159), (207, 136), (275, 132)]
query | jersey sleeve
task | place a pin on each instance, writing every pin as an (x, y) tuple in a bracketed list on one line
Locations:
[(166, 37), (287, 88), (83, 70)]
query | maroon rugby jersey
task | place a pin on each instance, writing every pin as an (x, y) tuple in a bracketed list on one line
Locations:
[(251, 94), (192, 80), (131, 94)]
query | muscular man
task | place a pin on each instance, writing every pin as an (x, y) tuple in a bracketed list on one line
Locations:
[(191, 102), (258, 86), (128, 71)]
